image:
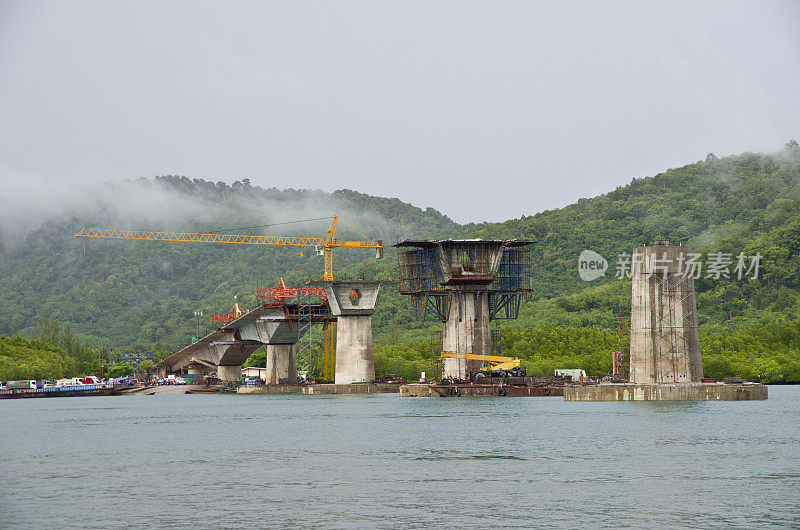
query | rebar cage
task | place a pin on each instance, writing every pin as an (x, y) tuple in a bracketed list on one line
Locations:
[(472, 258)]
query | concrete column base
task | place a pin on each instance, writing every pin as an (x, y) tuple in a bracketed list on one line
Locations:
[(281, 364), (355, 358), (455, 368), (665, 392), (229, 373), (466, 330)]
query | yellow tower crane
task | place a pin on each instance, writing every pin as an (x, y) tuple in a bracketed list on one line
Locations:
[(323, 245)]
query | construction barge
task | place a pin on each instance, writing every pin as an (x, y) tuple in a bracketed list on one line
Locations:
[(489, 386), (479, 390), (61, 391)]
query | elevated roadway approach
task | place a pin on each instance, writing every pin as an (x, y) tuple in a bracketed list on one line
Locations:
[(227, 348), (279, 325)]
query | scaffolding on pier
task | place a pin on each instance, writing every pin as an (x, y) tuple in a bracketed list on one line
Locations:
[(420, 277)]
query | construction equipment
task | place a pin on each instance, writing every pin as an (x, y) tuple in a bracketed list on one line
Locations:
[(223, 319), (494, 362), (323, 245), (494, 365), (280, 292)]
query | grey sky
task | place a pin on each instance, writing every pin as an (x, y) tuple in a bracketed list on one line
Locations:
[(483, 110)]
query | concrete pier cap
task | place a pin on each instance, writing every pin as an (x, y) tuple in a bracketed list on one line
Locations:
[(269, 326), (351, 297), (352, 302)]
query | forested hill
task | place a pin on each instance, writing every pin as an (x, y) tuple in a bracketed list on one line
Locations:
[(130, 292), (749, 202), (145, 292)]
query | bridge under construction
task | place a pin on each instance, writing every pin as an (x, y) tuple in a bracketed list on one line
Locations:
[(464, 284), (280, 322)]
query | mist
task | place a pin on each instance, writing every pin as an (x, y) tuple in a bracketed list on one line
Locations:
[(146, 204), (484, 111)]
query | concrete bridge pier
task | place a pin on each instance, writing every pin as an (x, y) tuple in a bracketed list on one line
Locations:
[(280, 335), (229, 373), (665, 343), (281, 364), (353, 302), (467, 330), (230, 355), (355, 356)]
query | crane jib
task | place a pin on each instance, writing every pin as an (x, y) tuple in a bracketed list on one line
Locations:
[(147, 235)]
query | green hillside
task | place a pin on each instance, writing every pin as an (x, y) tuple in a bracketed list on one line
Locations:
[(134, 291), (144, 294)]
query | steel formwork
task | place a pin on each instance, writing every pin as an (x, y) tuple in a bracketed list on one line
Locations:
[(418, 277), (431, 306), (263, 295), (418, 270), (515, 271), (223, 319), (505, 306)]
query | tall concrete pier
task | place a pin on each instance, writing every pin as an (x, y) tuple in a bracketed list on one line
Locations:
[(465, 284), (353, 302), (665, 344), (466, 330), (281, 365), (280, 334)]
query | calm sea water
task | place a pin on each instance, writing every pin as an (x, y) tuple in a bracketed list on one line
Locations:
[(381, 461)]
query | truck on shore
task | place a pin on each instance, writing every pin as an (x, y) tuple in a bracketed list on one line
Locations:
[(21, 383)]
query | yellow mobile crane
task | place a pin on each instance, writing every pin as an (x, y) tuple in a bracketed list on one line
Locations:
[(494, 362), (323, 245)]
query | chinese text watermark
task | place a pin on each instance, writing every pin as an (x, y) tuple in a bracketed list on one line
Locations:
[(592, 265)]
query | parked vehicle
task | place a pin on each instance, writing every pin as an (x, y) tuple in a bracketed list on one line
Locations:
[(180, 381), (574, 375), (23, 383)]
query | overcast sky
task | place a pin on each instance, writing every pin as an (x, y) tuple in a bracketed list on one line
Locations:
[(483, 110)]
